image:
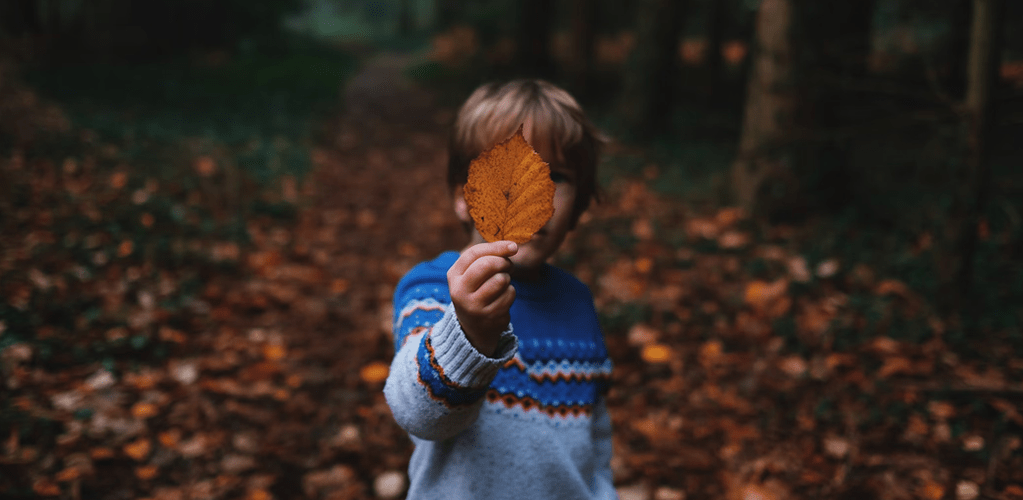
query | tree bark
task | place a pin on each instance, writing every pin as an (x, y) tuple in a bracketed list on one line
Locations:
[(952, 69), (20, 17), (405, 17), (584, 20), (648, 99), (803, 53), (770, 103), (715, 39), (982, 78), (446, 14), (533, 44)]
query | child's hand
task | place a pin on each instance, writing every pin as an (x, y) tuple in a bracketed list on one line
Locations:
[(481, 291)]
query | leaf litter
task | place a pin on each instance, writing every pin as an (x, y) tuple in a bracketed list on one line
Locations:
[(211, 367)]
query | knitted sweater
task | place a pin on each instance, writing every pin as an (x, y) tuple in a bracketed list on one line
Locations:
[(530, 423)]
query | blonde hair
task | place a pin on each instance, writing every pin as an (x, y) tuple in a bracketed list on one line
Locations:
[(550, 117)]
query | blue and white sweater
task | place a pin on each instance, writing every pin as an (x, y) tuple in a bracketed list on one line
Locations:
[(531, 423)]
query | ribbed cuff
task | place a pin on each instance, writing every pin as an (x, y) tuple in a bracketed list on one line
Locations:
[(459, 360)]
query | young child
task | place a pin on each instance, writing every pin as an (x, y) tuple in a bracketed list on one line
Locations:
[(501, 371)]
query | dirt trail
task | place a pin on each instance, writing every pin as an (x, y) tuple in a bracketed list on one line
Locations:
[(374, 204)]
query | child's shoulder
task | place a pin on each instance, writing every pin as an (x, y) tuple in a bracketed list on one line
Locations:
[(438, 265), (430, 272)]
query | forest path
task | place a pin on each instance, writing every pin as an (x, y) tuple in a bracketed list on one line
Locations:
[(374, 205), (745, 365)]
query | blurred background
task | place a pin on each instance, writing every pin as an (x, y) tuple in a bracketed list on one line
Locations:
[(807, 260)]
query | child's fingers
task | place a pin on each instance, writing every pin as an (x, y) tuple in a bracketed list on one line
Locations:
[(502, 303), (491, 288), (483, 270), (473, 253)]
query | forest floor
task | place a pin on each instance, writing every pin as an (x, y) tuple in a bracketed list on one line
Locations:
[(203, 335)]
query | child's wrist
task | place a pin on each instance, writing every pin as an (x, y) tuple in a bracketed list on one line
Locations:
[(487, 344)]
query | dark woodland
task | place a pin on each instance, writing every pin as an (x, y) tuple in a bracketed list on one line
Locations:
[(808, 259)]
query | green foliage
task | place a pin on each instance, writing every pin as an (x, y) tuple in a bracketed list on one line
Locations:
[(260, 106), (249, 116)]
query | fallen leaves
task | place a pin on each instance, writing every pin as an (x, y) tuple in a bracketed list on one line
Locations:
[(769, 299), (509, 191), (727, 348), (390, 484), (656, 353), (146, 472), (144, 410), (45, 488), (274, 352), (375, 372), (138, 449)]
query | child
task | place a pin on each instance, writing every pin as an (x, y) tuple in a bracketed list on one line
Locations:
[(501, 371)]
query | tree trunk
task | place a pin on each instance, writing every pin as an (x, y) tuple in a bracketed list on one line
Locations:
[(20, 17), (584, 20), (770, 103), (982, 79), (715, 39), (834, 40), (405, 17), (804, 53), (533, 44), (446, 14), (648, 100), (952, 67)]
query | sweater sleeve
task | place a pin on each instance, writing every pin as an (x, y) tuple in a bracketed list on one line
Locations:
[(601, 433), (438, 379)]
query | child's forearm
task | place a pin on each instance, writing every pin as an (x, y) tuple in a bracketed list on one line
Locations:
[(438, 380)]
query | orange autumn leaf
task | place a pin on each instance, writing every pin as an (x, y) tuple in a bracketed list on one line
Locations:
[(45, 488), (170, 439), (656, 353), (339, 286), (144, 410), (932, 490), (374, 372), (760, 294), (258, 494), (138, 450), (734, 51), (756, 492), (769, 299), (509, 191), (118, 180), (205, 166), (101, 453), (895, 365), (710, 352), (68, 474), (125, 248), (141, 381), (274, 352), (146, 472)]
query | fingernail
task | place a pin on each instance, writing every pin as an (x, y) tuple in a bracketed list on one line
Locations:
[(512, 246)]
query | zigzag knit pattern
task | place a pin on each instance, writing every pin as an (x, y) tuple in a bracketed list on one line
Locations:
[(561, 368)]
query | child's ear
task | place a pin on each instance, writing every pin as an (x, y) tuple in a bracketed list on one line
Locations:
[(461, 207)]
